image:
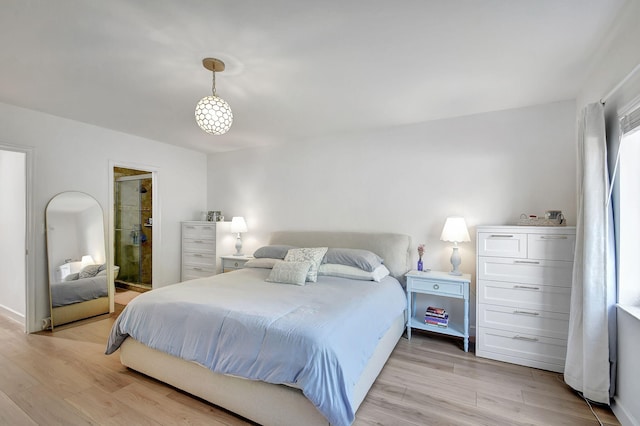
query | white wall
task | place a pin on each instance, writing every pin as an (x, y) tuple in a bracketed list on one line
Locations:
[(69, 155), (489, 168), (12, 233), (617, 55)]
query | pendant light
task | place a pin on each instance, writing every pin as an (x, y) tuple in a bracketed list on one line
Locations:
[(213, 114)]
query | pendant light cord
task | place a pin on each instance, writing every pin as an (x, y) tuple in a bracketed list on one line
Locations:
[(213, 83)]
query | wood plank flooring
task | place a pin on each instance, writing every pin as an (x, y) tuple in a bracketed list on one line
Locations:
[(64, 378)]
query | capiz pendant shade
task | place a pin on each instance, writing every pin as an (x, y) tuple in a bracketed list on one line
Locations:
[(213, 114)]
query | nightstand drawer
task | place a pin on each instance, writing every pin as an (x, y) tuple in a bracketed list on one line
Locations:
[(443, 288), (502, 244)]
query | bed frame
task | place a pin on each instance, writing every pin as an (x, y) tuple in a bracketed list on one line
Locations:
[(65, 314), (266, 403)]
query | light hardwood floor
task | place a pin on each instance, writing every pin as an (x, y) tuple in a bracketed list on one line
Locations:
[(64, 378)]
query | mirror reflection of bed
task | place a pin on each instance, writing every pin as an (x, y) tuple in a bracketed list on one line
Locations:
[(76, 252)]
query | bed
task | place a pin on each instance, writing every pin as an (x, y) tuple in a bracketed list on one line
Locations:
[(328, 367), (80, 298)]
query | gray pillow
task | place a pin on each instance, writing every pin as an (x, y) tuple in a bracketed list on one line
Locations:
[(72, 277), (358, 258), (289, 272), (274, 252), (89, 271)]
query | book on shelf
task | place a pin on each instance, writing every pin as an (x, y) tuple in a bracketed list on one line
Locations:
[(436, 320), (436, 312)]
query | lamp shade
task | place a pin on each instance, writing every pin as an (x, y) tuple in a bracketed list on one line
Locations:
[(86, 260), (455, 230), (238, 224), (213, 115)]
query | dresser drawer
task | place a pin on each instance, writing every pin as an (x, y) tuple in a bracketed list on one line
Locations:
[(198, 259), (502, 244), (527, 321), (198, 231), (521, 348), (526, 271), (191, 272), (444, 288), (551, 246), (525, 296), (199, 245)]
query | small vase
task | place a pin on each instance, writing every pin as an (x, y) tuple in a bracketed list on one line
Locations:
[(420, 265)]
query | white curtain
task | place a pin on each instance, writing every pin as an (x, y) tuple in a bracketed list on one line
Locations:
[(591, 350)]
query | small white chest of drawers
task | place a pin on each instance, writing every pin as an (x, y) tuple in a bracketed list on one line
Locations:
[(524, 278), (198, 250)]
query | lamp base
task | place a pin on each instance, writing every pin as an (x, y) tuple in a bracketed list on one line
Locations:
[(455, 262), (238, 246)]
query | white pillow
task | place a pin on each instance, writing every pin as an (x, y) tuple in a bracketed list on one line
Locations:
[(344, 271), (264, 262), (289, 272), (313, 255)]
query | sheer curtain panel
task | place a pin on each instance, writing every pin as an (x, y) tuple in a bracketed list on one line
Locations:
[(591, 349)]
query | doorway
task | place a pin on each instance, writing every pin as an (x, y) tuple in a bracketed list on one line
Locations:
[(13, 228), (133, 224)]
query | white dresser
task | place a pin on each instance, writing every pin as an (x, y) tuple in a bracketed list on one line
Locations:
[(198, 250), (523, 294)]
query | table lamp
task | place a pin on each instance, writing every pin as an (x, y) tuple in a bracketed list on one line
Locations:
[(455, 231), (238, 225)]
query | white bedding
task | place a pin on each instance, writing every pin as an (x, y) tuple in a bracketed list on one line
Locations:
[(317, 337)]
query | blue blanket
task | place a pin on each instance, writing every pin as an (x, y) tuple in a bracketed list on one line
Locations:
[(318, 337)]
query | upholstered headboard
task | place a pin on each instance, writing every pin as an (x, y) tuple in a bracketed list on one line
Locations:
[(395, 249)]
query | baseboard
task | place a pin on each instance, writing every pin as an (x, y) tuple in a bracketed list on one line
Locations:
[(623, 415), (13, 315)]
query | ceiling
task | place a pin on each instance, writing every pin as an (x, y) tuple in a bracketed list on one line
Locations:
[(294, 69)]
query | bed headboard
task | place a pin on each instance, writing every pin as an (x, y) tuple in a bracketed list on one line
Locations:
[(395, 249)]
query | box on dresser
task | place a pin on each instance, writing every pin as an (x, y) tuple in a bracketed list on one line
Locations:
[(198, 249), (523, 294)]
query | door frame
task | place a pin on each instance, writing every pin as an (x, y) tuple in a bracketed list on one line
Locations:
[(30, 321), (155, 213)]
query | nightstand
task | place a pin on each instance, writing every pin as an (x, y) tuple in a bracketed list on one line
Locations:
[(231, 263), (440, 284)]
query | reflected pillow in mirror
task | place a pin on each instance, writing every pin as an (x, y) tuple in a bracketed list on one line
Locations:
[(89, 271), (72, 277)]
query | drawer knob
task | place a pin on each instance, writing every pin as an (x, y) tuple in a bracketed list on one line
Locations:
[(436, 286), (235, 264)]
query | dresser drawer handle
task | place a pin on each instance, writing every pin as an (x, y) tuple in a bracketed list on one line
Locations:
[(197, 269), (553, 237), (526, 287), (526, 313), (528, 262), (190, 227), (198, 241), (436, 286), (500, 236), (196, 255), (527, 339)]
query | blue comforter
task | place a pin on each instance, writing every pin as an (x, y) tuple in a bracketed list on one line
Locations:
[(317, 337)]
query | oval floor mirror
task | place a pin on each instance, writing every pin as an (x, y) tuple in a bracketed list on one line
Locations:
[(78, 280)]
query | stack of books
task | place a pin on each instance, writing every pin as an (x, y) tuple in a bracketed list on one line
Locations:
[(436, 316)]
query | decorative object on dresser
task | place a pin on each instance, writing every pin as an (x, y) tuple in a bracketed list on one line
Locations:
[(198, 250), (238, 226), (233, 262), (441, 284), (455, 231), (523, 294)]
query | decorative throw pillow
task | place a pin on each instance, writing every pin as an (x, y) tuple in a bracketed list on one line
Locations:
[(344, 271), (313, 255), (89, 271), (273, 252), (289, 272), (264, 262), (72, 277), (363, 259)]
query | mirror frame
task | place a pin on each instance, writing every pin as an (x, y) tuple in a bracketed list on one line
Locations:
[(88, 308)]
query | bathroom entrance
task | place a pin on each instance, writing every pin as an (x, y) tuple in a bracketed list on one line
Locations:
[(133, 224)]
